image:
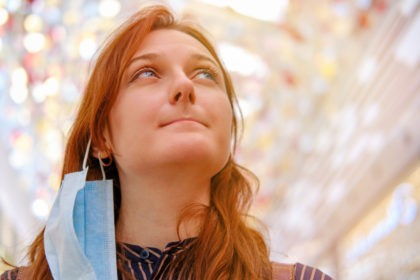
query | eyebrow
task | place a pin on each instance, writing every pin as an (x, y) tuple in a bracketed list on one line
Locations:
[(200, 57), (147, 56), (151, 56)]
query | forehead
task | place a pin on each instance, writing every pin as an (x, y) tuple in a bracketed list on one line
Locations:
[(168, 40)]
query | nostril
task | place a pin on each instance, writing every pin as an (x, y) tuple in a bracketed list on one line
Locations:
[(183, 96)]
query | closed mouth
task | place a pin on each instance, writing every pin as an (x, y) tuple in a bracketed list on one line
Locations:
[(182, 120)]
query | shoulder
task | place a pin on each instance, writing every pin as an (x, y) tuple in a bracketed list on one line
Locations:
[(281, 271), (297, 271), (307, 272), (17, 273), (10, 274)]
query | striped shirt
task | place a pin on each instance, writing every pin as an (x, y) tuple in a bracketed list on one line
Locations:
[(149, 263), (297, 271), (152, 263), (304, 272)]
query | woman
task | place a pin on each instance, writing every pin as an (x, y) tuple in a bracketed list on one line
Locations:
[(159, 110)]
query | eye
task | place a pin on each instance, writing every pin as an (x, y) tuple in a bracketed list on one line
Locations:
[(206, 73), (144, 73)]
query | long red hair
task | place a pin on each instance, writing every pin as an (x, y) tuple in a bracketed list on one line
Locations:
[(226, 247)]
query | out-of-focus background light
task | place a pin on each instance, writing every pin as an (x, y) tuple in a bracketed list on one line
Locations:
[(87, 47), (4, 16), (109, 8), (34, 42), (33, 23), (241, 61), (267, 10)]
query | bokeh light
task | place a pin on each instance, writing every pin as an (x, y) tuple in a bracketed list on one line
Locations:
[(109, 8), (4, 16), (34, 42), (33, 23)]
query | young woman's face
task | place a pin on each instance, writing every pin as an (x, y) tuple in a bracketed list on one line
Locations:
[(172, 108)]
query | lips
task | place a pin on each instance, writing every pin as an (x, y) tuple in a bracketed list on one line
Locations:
[(180, 120)]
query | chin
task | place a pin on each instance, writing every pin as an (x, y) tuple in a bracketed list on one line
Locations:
[(192, 154), (201, 156)]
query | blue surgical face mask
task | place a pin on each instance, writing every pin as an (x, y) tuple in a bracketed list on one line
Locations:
[(79, 237)]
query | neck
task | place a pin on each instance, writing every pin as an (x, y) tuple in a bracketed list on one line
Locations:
[(151, 205)]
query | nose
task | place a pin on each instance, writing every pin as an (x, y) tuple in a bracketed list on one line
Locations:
[(182, 90)]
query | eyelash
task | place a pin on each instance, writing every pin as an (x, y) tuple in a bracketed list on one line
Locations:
[(211, 71), (208, 70), (142, 71)]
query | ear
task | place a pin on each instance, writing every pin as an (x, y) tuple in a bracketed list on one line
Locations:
[(95, 152), (106, 151)]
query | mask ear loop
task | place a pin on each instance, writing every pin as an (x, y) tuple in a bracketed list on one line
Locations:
[(86, 154), (101, 164)]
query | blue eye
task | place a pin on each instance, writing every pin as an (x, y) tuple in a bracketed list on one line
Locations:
[(144, 74), (206, 74)]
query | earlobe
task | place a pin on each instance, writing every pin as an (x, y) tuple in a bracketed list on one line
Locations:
[(104, 153), (106, 160), (101, 153)]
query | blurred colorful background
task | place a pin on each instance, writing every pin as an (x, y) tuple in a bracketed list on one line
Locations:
[(330, 92)]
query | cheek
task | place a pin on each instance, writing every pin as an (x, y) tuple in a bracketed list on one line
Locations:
[(126, 118), (225, 119), (134, 107), (118, 118), (227, 113)]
